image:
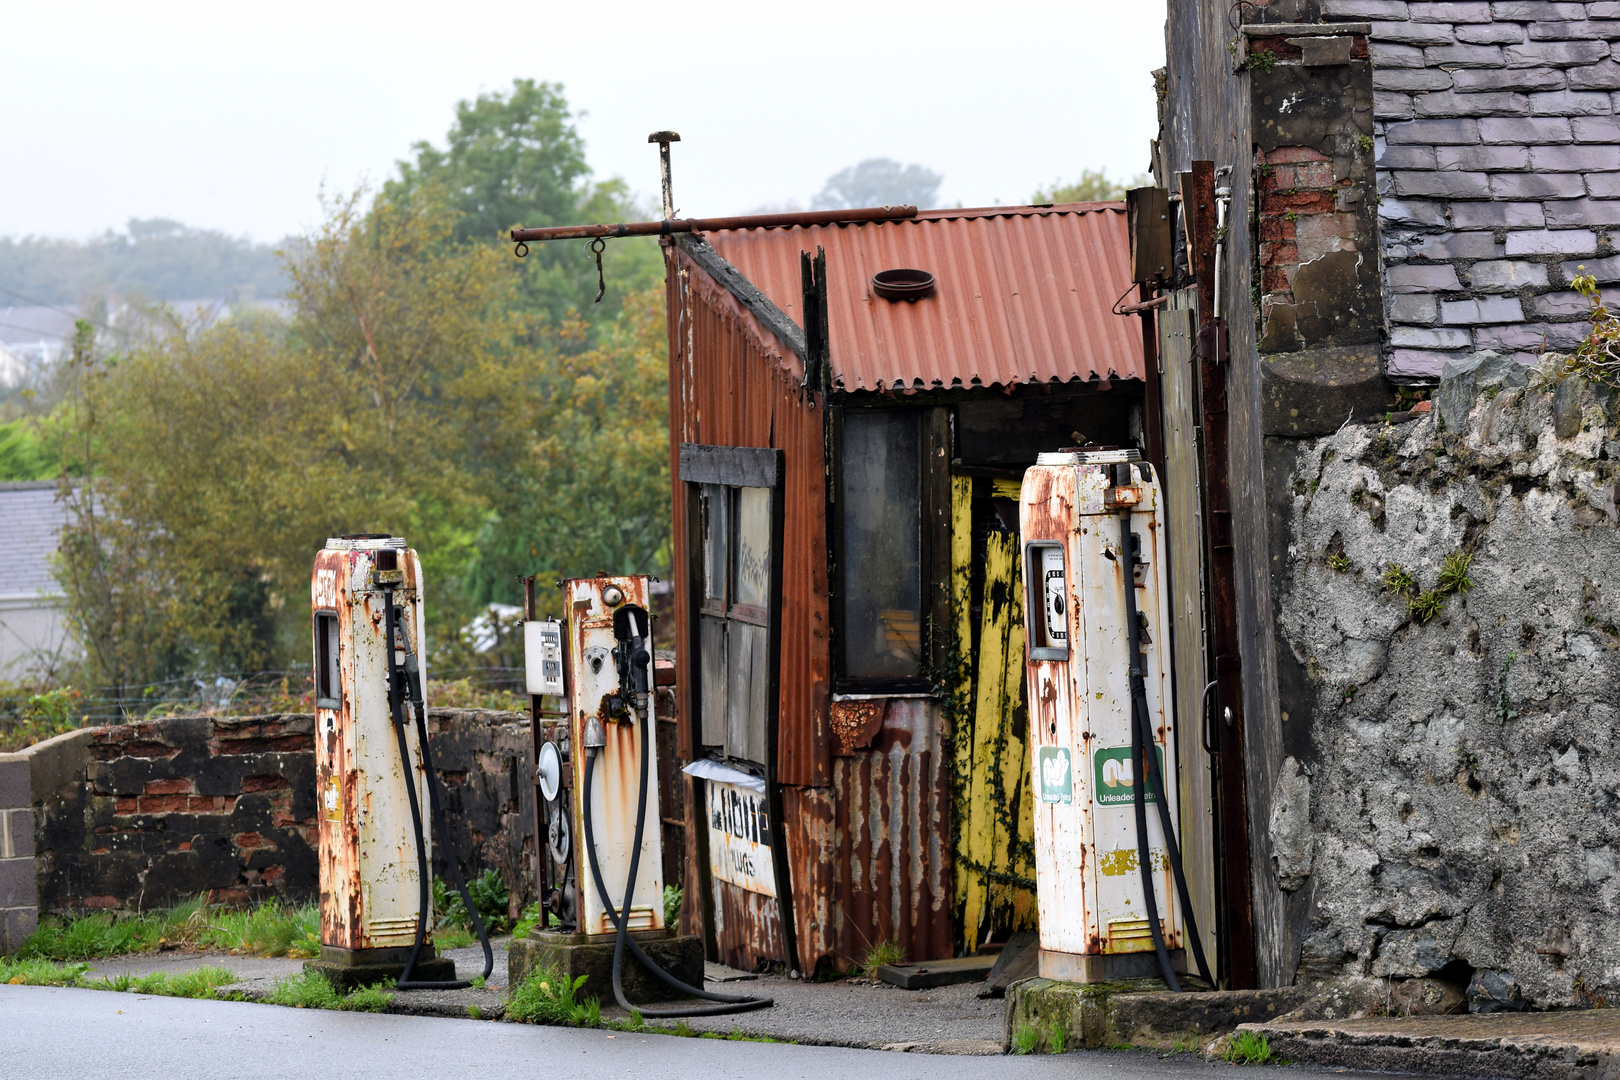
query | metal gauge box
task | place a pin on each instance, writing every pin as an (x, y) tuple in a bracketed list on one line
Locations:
[(1093, 918)]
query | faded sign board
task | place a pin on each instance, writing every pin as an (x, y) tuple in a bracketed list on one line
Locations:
[(740, 837), (1057, 774)]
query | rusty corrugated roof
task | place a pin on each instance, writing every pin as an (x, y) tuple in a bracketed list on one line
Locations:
[(1024, 295)]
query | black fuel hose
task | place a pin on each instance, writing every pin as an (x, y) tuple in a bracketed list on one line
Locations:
[(1146, 763), (730, 1003), (398, 709)]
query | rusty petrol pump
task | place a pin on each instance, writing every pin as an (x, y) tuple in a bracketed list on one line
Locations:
[(1112, 896), (374, 771), (593, 766)]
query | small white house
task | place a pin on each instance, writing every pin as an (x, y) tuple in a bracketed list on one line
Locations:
[(33, 634)]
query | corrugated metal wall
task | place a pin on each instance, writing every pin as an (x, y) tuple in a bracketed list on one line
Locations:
[(867, 832)]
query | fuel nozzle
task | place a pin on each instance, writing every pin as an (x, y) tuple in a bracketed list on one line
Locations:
[(631, 629)]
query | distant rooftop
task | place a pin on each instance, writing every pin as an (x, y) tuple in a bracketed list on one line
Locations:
[(31, 521)]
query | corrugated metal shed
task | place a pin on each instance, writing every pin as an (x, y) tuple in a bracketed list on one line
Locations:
[(1024, 295)]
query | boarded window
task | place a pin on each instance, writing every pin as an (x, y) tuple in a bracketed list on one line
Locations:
[(733, 626), (881, 551)]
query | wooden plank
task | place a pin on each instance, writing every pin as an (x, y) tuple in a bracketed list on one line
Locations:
[(962, 611), (1186, 566), (985, 840), (736, 466), (712, 660), (934, 973)]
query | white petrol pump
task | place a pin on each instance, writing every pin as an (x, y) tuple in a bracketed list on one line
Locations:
[(374, 769), (1112, 898), (596, 773)]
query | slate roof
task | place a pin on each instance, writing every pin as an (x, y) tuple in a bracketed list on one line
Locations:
[(31, 519)]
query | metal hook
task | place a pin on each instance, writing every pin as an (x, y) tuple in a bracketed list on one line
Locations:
[(521, 250), (597, 246)]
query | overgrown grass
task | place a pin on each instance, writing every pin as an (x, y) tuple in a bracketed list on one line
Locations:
[(1247, 1048), (1025, 1039), (308, 990), (884, 952), (1058, 1038), (196, 983), (271, 929), (548, 996)]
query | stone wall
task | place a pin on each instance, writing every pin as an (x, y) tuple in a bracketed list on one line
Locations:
[(1498, 157), (1447, 808), (19, 903), (158, 811)]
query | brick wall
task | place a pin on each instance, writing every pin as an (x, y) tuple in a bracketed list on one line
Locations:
[(1498, 152), (166, 809)]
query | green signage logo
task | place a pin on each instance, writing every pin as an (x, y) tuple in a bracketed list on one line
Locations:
[(1056, 774), (1116, 776)]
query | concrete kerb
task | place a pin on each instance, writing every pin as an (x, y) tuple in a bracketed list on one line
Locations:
[(1134, 1014)]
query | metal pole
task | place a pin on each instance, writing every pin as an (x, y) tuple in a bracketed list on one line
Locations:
[(663, 139)]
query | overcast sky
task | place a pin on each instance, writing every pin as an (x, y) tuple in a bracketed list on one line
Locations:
[(232, 116)]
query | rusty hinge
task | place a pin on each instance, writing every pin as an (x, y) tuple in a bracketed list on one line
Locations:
[(1212, 342)]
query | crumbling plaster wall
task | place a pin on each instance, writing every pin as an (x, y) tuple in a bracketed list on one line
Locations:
[(1449, 804)]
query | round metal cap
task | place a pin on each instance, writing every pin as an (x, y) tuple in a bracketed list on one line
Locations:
[(549, 770), (903, 284)]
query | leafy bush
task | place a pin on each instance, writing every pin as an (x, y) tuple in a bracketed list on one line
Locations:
[(672, 904), (549, 997), (489, 895)]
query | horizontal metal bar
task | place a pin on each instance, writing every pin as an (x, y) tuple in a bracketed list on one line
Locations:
[(1306, 29), (746, 221)]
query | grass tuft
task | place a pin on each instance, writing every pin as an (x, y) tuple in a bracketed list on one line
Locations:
[(1058, 1039), (1247, 1048), (196, 983), (550, 997), (1426, 605), (306, 990), (271, 929), (1025, 1039), (1454, 573), (884, 952), (1398, 581)]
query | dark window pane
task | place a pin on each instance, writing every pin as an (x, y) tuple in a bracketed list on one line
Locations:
[(327, 675), (882, 557), (716, 537)]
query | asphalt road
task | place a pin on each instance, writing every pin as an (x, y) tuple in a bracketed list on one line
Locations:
[(47, 1033)]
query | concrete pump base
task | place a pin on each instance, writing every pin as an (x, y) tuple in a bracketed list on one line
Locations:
[(573, 955)]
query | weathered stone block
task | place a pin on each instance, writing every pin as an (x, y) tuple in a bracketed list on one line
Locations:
[(1412, 33), (1601, 269), (1489, 309), (1605, 9), (1489, 215), (1570, 103), (1453, 185), (1579, 157), (1409, 157), (1452, 103), (1407, 80), (1481, 158), (1584, 212), (1365, 9), (1464, 245), (1534, 78), (682, 957), (19, 838), (1420, 308), (1529, 337), (1396, 56), (17, 925), (1392, 106), (1462, 381), (1563, 30), (1463, 56), (1603, 76), (1449, 11), (1416, 363), (1547, 242), (1508, 274), (1502, 33), (1524, 130), (1423, 277), (1527, 10), (17, 883), (1598, 129), (1561, 303), (1413, 212), (1603, 185), (1537, 186), (1418, 337), (15, 789)]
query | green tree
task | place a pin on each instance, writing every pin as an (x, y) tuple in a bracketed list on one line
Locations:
[(1093, 186), (516, 159)]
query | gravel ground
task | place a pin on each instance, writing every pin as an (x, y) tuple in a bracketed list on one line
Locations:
[(950, 1019)]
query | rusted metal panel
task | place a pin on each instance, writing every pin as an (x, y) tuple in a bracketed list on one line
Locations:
[(747, 928), (734, 384), (871, 856), (1024, 294)]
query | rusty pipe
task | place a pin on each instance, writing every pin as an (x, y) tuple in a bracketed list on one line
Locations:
[(745, 221)]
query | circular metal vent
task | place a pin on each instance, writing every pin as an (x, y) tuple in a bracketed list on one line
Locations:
[(903, 284)]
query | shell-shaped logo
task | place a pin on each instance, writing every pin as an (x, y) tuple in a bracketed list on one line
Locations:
[(1055, 771), (1118, 772)]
